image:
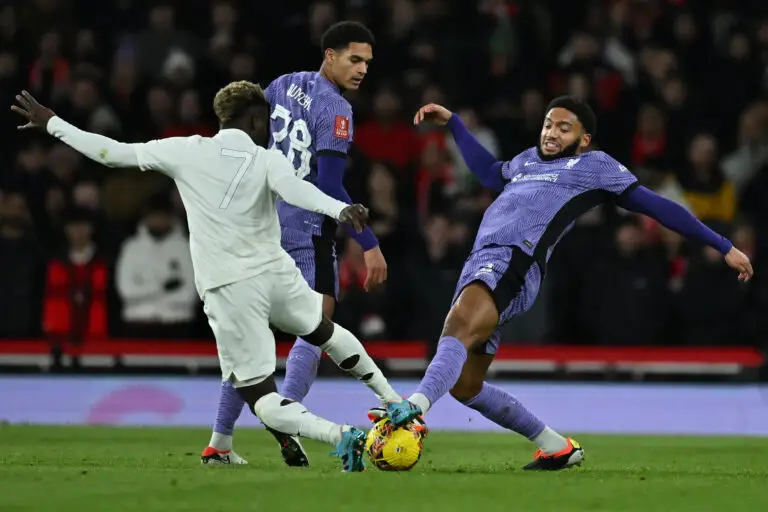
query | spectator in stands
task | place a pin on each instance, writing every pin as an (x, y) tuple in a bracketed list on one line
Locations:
[(519, 128), (650, 141), (22, 269), (385, 216), (710, 305), (86, 103), (736, 77), (435, 182), (154, 276), (161, 107), (434, 269), (568, 270), (683, 114), (50, 72), (190, 118), (387, 137), (364, 312), (125, 91), (390, 216), (155, 45), (242, 67), (657, 73), (75, 302), (626, 299), (740, 166), (754, 205), (64, 163), (711, 196)]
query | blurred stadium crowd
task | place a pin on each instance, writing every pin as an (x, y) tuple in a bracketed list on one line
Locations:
[(679, 88)]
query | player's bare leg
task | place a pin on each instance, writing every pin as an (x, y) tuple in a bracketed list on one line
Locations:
[(303, 361), (292, 419), (470, 322), (456, 369)]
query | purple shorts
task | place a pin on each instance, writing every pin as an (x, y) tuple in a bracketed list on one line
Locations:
[(513, 277), (315, 255)]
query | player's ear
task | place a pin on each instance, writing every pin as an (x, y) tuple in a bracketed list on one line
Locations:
[(586, 140), (329, 54)]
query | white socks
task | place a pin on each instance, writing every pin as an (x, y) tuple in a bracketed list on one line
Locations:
[(550, 441), (348, 353), (221, 442), (293, 418), (420, 400)]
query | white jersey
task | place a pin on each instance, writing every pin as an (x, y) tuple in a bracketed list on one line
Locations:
[(224, 182), (228, 185)]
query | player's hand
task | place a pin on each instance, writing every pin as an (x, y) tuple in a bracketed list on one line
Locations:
[(375, 267), (356, 215), (37, 116), (738, 261), (432, 114)]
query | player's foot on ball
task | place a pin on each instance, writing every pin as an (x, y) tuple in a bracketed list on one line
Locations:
[(213, 457), (350, 450), (291, 449), (402, 412), (571, 455), (376, 414)]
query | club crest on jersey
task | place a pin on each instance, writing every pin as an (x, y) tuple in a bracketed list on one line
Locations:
[(571, 163), (341, 127)]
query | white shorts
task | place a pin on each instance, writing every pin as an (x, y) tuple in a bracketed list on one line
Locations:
[(240, 314)]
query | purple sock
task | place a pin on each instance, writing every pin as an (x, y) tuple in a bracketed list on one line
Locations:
[(444, 370), (300, 370), (230, 407), (504, 409)]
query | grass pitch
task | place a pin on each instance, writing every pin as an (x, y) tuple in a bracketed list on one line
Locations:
[(142, 469)]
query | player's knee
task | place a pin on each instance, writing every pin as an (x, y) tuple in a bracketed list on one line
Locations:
[(322, 334), (251, 393), (459, 324), (473, 317), (279, 413)]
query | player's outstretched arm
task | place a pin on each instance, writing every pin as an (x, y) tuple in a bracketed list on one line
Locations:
[(678, 219), (480, 161), (96, 147)]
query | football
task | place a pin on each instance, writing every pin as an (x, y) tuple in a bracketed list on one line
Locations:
[(393, 449)]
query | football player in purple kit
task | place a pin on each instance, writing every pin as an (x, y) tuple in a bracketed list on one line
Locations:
[(311, 123), (543, 190)]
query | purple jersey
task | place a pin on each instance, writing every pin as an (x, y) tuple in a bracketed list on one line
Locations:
[(309, 116), (542, 199)]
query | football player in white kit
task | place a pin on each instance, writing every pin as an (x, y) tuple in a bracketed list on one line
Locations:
[(228, 184)]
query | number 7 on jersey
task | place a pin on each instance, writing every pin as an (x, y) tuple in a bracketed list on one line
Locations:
[(247, 159)]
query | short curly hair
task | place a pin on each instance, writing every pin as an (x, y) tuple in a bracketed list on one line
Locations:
[(235, 98), (342, 34)]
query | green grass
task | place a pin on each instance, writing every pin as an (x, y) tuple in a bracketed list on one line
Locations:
[(121, 469)]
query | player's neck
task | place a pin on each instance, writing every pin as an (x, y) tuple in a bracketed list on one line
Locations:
[(231, 126), (327, 75)]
